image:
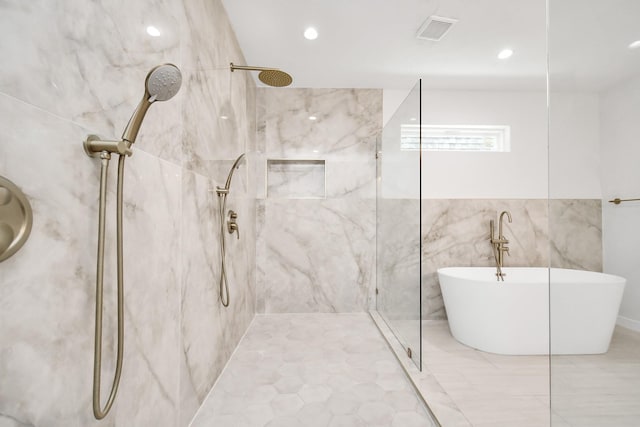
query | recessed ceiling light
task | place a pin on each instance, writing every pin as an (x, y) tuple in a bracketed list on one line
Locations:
[(153, 31), (635, 44), (316, 151), (313, 118), (413, 119), (224, 117), (310, 33), (504, 54)]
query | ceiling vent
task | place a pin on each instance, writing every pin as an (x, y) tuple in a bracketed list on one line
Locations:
[(435, 28)]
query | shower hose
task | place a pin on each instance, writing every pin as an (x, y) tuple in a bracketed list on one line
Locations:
[(98, 412), (224, 286), (232, 227)]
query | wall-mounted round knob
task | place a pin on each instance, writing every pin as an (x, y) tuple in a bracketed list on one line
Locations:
[(5, 196), (232, 225), (6, 237), (16, 218)]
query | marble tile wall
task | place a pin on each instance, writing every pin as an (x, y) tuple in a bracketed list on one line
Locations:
[(318, 255), (211, 332), (563, 233), (296, 179), (575, 227), (76, 68)]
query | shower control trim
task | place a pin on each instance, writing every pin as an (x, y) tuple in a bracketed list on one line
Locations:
[(93, 146), (16, 218), (232, 225)]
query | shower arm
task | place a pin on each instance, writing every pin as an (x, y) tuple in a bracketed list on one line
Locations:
[(250, 68), (268, 75), (225, 190)]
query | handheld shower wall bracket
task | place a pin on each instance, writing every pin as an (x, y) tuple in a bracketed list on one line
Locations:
[(93, 146), (221, 191)]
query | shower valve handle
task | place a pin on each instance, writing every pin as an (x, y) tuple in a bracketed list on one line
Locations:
[(232, 225)]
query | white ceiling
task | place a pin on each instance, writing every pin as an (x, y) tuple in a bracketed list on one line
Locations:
[(372, 43)]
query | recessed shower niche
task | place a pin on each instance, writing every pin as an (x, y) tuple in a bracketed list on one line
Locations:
[(296, 179)]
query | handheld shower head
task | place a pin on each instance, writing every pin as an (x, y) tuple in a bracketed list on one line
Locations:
[(235, 166), (162, 83)]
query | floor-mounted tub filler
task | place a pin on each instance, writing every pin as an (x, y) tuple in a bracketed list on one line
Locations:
[(512, 317)]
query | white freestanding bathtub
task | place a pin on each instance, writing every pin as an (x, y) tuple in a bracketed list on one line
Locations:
[(512, 317)]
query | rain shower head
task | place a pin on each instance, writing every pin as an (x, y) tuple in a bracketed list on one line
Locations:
[(275, 78), (162, 83), (269, 76)]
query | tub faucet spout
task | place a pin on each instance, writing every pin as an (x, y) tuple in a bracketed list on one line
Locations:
[(508, 214), (499, 244)]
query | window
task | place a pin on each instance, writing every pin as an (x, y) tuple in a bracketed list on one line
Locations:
[(455, 138)]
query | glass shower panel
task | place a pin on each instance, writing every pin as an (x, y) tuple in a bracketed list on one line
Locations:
[(398, 222), (594, 100)]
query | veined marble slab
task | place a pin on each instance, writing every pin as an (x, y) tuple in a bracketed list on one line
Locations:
[(77, 68), (456, 233), (319, 255)]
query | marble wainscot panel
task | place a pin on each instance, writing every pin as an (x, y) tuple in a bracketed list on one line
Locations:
[(456, 233), (576, 233), (318, 255)]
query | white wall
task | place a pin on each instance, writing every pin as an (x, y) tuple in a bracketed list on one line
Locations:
[(620, 135), (521, 173), (574, 146), (391, 101)]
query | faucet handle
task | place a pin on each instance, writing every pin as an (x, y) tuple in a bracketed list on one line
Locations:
[(232, 225)]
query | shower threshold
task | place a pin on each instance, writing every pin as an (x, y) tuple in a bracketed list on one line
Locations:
[(467, 387)]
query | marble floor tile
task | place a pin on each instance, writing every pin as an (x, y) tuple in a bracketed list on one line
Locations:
[(313, 370)]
